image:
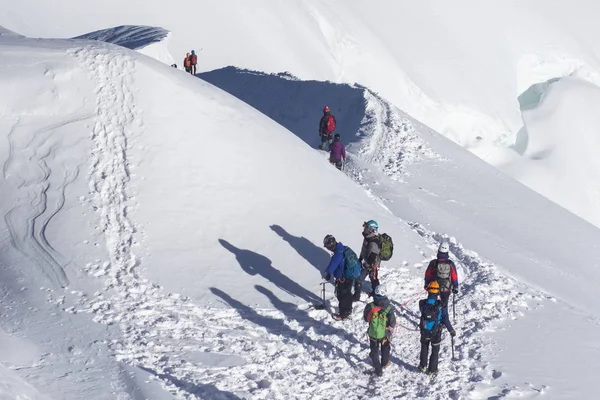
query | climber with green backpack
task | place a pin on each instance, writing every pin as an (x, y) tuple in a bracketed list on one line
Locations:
[(344, 268), (375, 248), (382, 321)]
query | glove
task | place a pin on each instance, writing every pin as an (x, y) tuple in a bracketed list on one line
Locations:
[(344, 158), (455, 290), (452, 333), (327, 276)]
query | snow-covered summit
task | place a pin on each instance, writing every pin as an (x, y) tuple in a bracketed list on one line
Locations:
[(458, 67)]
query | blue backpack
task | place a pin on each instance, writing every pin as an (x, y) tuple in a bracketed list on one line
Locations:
[(430, 318), (351, 264)]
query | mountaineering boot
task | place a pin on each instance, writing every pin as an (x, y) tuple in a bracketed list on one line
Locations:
[(338, 317), (379, 372), (387, 364), (422, 369)]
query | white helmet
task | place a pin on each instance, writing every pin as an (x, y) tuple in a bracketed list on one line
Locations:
[(444, 247), (381, 290)]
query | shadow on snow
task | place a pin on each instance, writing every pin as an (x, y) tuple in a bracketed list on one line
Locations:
[(256, 264), (278, 326), (293, 103), (312, 253), (201, 390)]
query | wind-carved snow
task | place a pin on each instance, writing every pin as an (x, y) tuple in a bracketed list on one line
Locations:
[(130, 36), (27, 222), (149, 40)]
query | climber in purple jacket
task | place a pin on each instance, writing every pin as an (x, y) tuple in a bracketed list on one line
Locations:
[(337, 152)]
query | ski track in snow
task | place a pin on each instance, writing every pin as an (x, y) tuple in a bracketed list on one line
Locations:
[(282, 353), (26, 165)]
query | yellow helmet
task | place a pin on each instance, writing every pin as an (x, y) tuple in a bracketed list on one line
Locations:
[(433, 287)]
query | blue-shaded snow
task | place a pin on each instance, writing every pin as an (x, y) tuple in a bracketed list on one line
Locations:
[(130, 36)]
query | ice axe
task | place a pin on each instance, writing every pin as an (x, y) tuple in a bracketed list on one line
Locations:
[(322, 305)]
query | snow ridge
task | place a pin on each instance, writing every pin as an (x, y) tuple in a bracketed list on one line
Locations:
[(369, 125), (153, 323)]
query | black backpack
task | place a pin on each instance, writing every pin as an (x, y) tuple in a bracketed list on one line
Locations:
[(430, 318)]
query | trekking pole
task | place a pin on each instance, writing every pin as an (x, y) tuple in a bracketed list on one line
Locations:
[(452, 340), (453, 308)]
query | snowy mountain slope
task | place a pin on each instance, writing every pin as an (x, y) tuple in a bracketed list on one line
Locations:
[(86, 134), (458, 67), (148, 40), (48, 227), (178, 225), (418, 50), (447, 190), (385, 139)]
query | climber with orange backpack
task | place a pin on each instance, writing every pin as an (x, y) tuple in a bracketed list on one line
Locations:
[(193, 62), (187, 63), (326, 128)]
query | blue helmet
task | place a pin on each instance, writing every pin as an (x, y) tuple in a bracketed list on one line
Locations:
[(371, 225), (193, 51)]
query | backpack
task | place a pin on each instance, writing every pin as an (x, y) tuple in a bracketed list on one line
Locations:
[(444, 273), (377, 322), (351, 264), (386, 247), (193, 59), (430, 319), (330, 126)]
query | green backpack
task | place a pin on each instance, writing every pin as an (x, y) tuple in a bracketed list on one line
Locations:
[(387, 247), (378, 322)]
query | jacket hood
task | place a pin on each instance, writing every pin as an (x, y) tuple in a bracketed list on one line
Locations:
[(381, 301), (370, 235), (432, 296)]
